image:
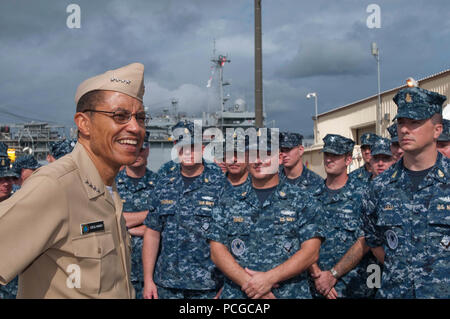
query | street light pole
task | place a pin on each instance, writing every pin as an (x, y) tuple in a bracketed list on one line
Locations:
[(316, 132), (376, 54)]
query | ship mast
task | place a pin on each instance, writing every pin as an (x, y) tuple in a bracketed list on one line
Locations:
[(219, 62)]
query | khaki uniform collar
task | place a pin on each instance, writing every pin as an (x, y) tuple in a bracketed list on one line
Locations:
[(90, 177)]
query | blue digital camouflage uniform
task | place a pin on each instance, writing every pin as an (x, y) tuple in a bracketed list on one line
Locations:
[(412, 227), (362, 173), (341, 212), (10, 290), (136, 194), (263, 237), (183, 218), (308, 179)]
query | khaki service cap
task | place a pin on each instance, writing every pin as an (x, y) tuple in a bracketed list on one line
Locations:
[(128, 79)]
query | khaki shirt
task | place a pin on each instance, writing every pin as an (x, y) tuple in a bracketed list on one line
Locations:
[(41, 237)]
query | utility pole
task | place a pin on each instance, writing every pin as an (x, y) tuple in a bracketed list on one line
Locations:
[(258, 67)]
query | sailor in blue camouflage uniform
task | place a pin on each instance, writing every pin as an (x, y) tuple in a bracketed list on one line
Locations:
[(265, 238), (381, 156), (60, 148), (7, 178), (135, 185), (341, 203), (443, 143), (363, 173), (408, 206), (185, 197), (24, 166), (293, 169), (396, 150)]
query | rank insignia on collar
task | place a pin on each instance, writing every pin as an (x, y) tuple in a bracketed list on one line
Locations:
[(440, 173), (206, 180), (394, 175), (151, 183), (243, 194), (172, 179), (172, 168), (282, 194)]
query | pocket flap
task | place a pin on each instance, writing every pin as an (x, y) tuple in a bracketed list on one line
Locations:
[(93, 246)]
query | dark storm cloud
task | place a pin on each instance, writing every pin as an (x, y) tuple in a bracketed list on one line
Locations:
[(321, 46), (329, 58)]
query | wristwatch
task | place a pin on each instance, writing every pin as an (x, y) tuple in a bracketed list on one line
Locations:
[(334, 273)]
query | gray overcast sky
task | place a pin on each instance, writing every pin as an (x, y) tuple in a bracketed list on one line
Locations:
[(308, 45)]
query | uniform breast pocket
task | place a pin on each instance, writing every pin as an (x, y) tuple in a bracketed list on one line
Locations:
[(350, 229), (239, 236), (439, 231), (394, 233), (286, 234), (167, 219), (98, 261), (202, 217)]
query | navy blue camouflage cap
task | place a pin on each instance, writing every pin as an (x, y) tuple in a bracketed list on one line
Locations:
[(60, 148), (183, 133), (337, 144), (393, 132), (25, 161), (367, 139), (263, 141), (417, 103), (445, 135), (381, 146), (290, 140)]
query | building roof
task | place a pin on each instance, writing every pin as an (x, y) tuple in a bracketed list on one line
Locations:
[(382, 93)]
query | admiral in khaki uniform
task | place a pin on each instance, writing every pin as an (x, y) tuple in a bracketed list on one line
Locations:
[(64, 233)]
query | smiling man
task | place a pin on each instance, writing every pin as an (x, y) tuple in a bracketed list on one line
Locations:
[(64, 232)]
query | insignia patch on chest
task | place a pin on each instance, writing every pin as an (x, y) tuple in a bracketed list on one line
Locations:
[(166, 201), (391, 238), (445, 243), (238, 247), (238, 219), (287, 212), (92, 227)]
